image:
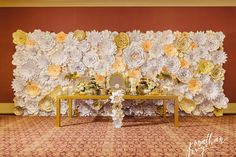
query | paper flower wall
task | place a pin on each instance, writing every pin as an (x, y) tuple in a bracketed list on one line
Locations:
[(188, 64)]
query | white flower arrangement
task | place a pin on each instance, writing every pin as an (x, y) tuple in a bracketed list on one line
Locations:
[(91, 53)]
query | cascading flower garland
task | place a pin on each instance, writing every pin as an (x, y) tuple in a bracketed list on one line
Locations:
[(188, 64)]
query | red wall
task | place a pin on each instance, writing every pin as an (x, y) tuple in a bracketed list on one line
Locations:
[(116, 19)]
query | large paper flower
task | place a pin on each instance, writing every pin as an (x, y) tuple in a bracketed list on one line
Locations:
[(32, 89), (19, 37), (219, 57), (221, 102), (122, 40), (205, 67), (91, 59), (106, 47), (46, 104), (213, 42), (217, 73), (18, 84), (94, 37), (210, 90), (173, 65), (46, 42), (184, 75), (170, 50), (134, 56), (79, 35), (194, 85), (54, 70), (60, 57), (156, 50), (183, 42), (199, 37), (187, 105)]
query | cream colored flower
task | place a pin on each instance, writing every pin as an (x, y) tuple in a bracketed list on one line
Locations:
[(146, 45), (184, 63), (60, 37), (79, 35), (46, 104), (217, 73), (122, 40), (184, 75), (54, 70), (218, 112), (91, 59), (119, 65), (187, 105), (19, 37), (18, 111), (194, 85), (134, 56), (205, 67), (170, 50), (32, 89)]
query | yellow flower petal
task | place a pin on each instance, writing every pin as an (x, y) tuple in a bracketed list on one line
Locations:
[(54, 70), (122, 40), (60, 37), (79, 35), (19, 37), (146, 45)]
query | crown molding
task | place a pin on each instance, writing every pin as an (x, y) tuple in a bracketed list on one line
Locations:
[(115, 3)]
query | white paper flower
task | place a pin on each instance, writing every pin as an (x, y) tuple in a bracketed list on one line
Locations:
[(210, 90), (78, 67), (107, 47), (221, 102), (46, 42), (212, 42), (173, 64), (91, 59), (70, 41), (18, 84), (167, 37), (149, 35), (60, 57), (134, 56), (84, 46), (206, 106), (134, 36), (27, 71), (75, 55), (32, 108), (184, 75), (156, 51), (94, 37), (219, 57), (199, 37)]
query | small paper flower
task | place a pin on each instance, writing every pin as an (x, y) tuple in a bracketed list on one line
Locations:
[(19, 37), (170, 50), (184, 75), (60, 37), (194, 85), (79, 35), (183, 42), (54, 70), (91, 59), (32, 89), (146, 45), (219, 57), (122, 40), (217, 73)]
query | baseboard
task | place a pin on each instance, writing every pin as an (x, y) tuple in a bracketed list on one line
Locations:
[(7, 108)]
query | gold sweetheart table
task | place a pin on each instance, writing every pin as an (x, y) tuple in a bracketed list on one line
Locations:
[(126, 97)]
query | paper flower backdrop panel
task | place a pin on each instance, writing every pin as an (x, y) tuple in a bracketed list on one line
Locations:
[(193, 62)]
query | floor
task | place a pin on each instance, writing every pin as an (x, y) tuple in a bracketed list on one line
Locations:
[(139, 137)]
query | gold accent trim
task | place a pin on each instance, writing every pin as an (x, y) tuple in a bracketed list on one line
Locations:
[(6, 108), (113, 3)]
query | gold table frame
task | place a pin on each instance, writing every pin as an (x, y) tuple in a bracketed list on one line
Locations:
[(126, 97)]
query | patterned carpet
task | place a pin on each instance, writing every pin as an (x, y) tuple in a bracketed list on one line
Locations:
[(95, 136)]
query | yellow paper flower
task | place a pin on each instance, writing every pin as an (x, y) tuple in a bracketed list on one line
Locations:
[(55, 92), (122, 40), (218, 112), (135, 74), (119, 65), (54, 70), (170, 50), (187, 105), (184, 63), (46, 104), (217, 73), (194, 85), (18, 111), (183, 43), (79, 35), (146, 45), (32, 89), (99, 79), (205, 67), (60, 37), (19, 37), (194, 45)]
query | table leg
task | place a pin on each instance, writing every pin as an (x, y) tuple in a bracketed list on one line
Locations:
[(70, 107), (58, 112), (176, 114), (164, 109)]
